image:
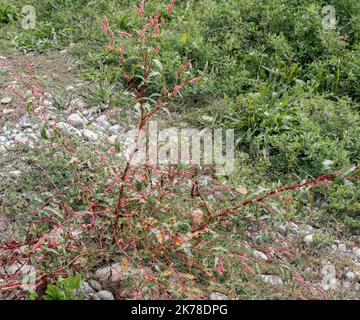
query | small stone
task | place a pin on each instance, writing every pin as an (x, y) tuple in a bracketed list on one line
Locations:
[(17, 268), (69, 88), (350, 276), (273, 280), (26, 125), (328, 269), (105, 295), (102, 121), (112, 140), (90, 135), (15, 173), (342, 247), (8, 111), (113, 273), (356, 252), (282, 230), (2, 149), (114, 129), (4, 223), (260, 255), (218, 296), (89, 111), (86, 288), (95, 285), (6, 100), (21, 138), (103, 273), (294, 228), (76, 121), (309, 239), (329, 282)]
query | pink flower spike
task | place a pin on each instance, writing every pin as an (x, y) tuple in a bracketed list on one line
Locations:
[(124, 34), (195, 80), (170, 6)]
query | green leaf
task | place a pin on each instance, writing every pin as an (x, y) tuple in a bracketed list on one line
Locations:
[(43, 133), (184, 39)]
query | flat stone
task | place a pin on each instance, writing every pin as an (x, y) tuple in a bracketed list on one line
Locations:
[(4, 223), (113, 273), (105, 295), (218, 296), (342, 247), (90, 135), (309, 239), (356, 252), (112, 140), (86, 288), (102, 121), (260, 255), (15, 173), (8, 111), (6, 100), (22, 138), (95, 285), (273, 280), (282, 230), (76, 121), (350, 276), (114, 129), (329, 282)]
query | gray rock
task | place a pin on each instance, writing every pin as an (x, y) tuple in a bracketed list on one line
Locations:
[(8, 111), (342, 247), (6, 100), (356, 252), (102, 121), (282, 230), (4, 223), (26, 125), (86, 288), (17, 268), (112, 140), (69, 88), (260, 255), (105, 295), (294, 228), (273, 280), (90, 135), (90, 111), (328, 269), (2, 149), (76, 121), (103, 273), (15, 173), (114, 129), (95, 285), (22, 138), (113, 273), (329, 282), (309, 239), (350, 276), (218, 296)]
